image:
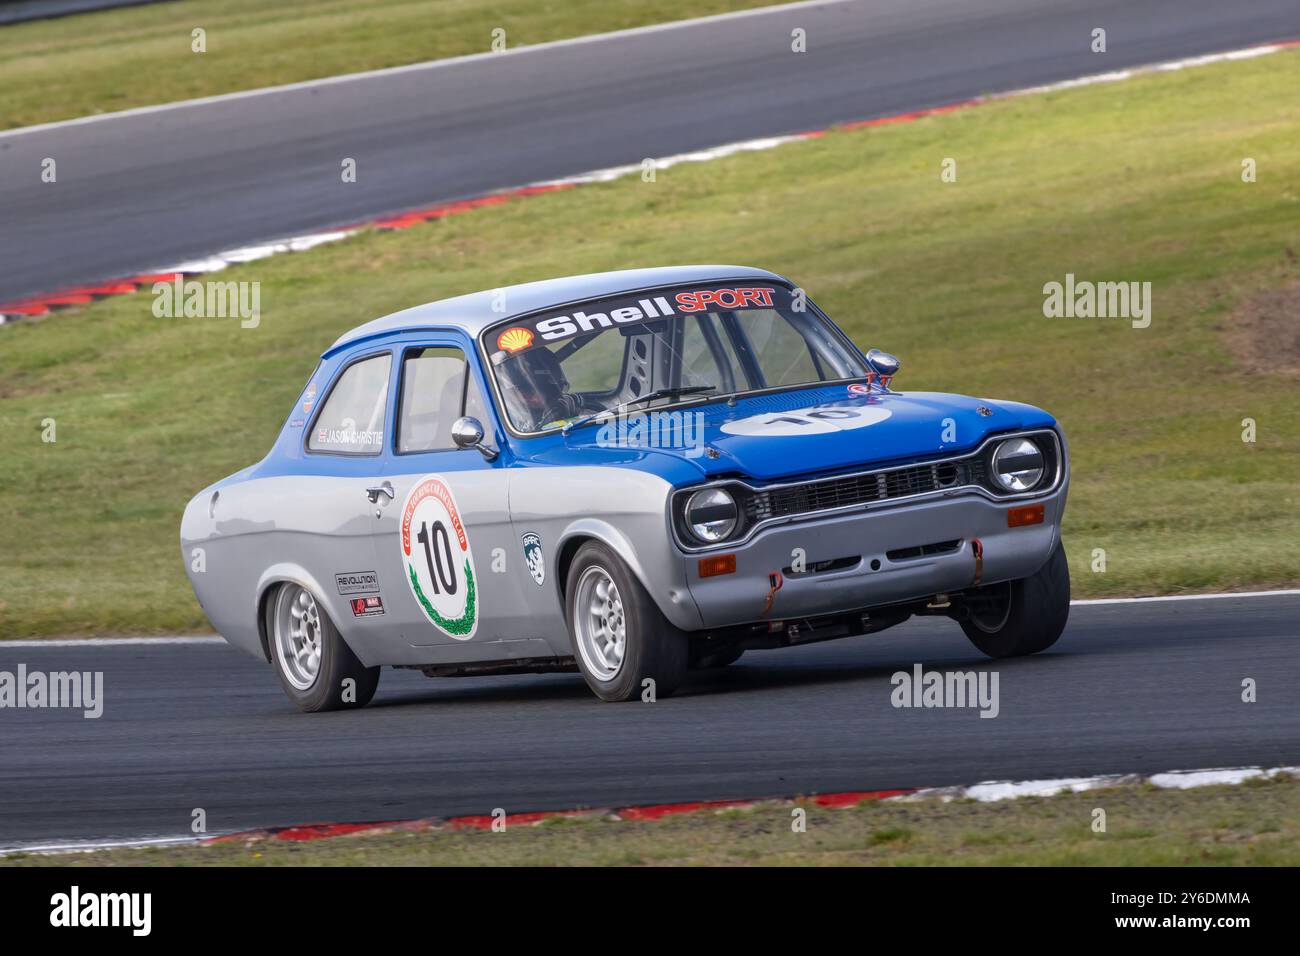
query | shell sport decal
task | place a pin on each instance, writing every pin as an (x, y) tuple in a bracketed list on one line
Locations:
[(512, 340), (438, 559), (820, 420), (533, 556)]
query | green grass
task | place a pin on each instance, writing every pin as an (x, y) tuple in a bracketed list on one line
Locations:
[(1250, 825), (95, 63), (1137, 180)]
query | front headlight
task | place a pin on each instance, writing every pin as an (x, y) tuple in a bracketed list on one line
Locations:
[(1018, 465), (711, 515)]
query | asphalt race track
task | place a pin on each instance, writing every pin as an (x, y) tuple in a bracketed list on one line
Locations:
[(148, 190), (1129, 688)]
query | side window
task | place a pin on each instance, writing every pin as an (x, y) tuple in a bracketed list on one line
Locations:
[(782, 352), (351, 421), (437, 389)]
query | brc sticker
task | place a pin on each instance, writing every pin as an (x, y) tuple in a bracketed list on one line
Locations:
[(533, 556), (438, 561), (820, 420)]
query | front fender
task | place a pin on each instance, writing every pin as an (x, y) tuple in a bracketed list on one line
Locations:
[(661, 577)]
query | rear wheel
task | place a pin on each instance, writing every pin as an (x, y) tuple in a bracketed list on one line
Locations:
[(1021, 617), (620, 638), (317, 669)]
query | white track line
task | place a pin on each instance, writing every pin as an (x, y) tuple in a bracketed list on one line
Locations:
[(426, 65), (1190, 597), (92, 642)]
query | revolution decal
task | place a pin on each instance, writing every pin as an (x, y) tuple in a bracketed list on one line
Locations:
[(357, 582), (807, 421), (439, 562), (533, 555)]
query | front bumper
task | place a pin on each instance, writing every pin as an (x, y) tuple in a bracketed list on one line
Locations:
[(863, 573)]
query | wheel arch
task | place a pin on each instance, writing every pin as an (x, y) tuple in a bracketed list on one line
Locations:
[(678, 605), (271, 581)]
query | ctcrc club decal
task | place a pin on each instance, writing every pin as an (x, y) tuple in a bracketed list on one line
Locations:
[(820, 420), (438, 559), (533, 556)]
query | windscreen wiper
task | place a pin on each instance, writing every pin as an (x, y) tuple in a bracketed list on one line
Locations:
[(640, 399)]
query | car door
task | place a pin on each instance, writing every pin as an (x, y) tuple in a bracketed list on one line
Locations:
[(319, 509), (443, 543)]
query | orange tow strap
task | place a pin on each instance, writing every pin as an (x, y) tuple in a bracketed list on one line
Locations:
[(775, 581), (977, 547)]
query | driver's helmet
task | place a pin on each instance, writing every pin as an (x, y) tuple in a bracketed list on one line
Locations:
[(534, 388)]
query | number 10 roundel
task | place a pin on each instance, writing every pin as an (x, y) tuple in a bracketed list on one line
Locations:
[(439, 563)]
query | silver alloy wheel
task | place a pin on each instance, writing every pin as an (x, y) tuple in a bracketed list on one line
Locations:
[(599, 624), (298, 637)]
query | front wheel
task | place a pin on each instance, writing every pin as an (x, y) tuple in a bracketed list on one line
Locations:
[(1021, 617), (317, 669), (620, 638)]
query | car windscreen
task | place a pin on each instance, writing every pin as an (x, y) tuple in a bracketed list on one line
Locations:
[(688, 341)]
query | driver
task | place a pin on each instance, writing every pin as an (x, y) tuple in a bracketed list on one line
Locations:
[(535, 389)]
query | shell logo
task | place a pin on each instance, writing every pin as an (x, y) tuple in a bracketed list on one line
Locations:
[(512, 340)]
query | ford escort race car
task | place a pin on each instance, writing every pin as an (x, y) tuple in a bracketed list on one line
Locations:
[(632, 474)]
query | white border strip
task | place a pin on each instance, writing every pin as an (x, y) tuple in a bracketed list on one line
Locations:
[(988, 792), (426, 65), (992, 791)]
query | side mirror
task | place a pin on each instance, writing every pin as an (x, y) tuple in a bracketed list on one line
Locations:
[(467, 432), (884, 365)]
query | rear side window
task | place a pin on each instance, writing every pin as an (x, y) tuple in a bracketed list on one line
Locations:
[(351, 422), (437, 389)]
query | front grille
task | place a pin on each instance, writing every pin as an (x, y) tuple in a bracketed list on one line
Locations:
[(828, 494)]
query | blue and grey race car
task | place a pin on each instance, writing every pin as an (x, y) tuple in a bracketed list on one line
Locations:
[(633, 474)]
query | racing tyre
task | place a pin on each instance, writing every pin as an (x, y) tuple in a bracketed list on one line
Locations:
[(718, 659), (620, 639), (317, 669), (1022, 617)]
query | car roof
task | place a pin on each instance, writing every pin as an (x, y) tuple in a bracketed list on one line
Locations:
[(474, 312)]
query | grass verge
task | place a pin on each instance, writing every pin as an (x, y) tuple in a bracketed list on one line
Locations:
[(115, 60), (1132, 181), (1254, 824)]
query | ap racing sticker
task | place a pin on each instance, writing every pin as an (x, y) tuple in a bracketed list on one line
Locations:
[(439, 562), (819, 420)]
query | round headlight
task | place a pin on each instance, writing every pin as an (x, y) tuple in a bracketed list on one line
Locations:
[(1017, 464), (711, 515)]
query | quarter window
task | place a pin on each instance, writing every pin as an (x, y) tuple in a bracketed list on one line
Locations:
[(351, 422), (437, 389)]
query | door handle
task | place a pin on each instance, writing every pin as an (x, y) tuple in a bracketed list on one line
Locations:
[(385, 489)]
